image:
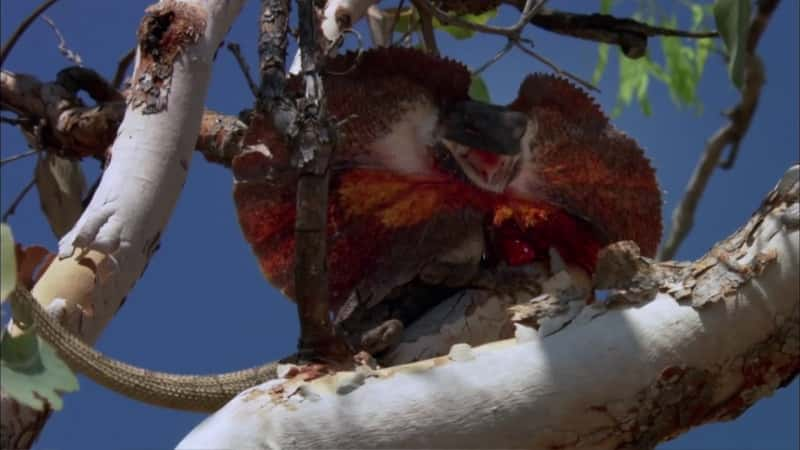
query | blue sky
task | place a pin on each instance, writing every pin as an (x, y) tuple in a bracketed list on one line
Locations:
[(203, 305)]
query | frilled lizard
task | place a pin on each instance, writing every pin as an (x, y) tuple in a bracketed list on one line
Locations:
[(418, 168)]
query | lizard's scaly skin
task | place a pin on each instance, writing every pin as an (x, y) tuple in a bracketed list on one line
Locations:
[(200, 393)]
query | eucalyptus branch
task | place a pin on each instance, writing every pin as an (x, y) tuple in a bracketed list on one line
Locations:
[(77, 131), (730, 134)]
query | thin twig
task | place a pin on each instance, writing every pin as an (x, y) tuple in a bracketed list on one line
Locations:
[(395, 18), (730, 134), (15, 121), (629, 34), (506, 48), (122, 68), (359, 50), (73, 57), (6, 49), (412, 27), (13, 158), (565, 73), (428, 36), (13, 207), (234, 48), (513, 32)]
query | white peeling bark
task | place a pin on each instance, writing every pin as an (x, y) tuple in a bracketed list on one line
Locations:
[(721, 333), (107, 250)]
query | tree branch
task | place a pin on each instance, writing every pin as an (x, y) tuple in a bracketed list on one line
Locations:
[(630, 35), (108, 249), (428, 36), (77, 131), (312, 152), (729, 135), (122, 67), (236, 51), (6, 49), (650, 373)]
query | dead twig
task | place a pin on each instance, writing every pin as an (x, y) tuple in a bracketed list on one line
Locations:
[(554, 67), (236, 51), (499, 55), (6, 49), (72, 56), (359, 50), (13, 158), (412, 27), (17, 200), (730, 134), (312, 152), (428, 36), (529, 10), (122, 67), (395, 18), (15, 121), (513, 33)]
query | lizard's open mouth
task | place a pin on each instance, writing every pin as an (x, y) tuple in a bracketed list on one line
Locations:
[(486, 141), (485, 169)]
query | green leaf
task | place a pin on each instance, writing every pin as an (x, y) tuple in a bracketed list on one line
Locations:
[(732, 18), (8, 262), (634, 79), (605, 6), (681, 75), (463, 33), (697, 15), (701, 51), (684, 64), (478, 90), (602, 62), (641, 96), (32, 372)]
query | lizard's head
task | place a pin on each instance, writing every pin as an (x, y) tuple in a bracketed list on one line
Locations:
[(411, 114), (486, 142)]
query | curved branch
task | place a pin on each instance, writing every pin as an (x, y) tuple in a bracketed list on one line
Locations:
[(720, 334), (729, 135), (6, 49)]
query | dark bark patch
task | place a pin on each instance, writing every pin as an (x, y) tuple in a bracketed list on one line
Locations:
[(166, 30)]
